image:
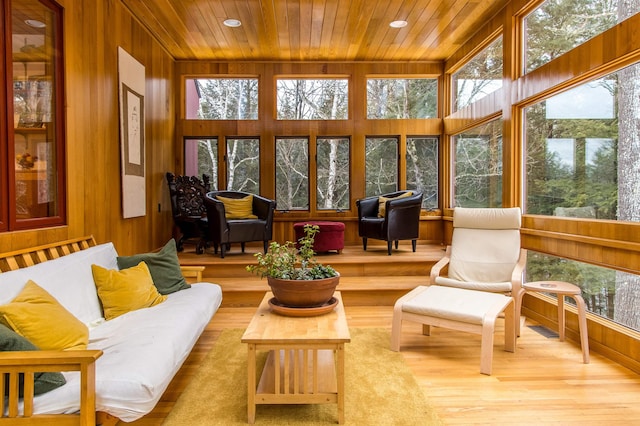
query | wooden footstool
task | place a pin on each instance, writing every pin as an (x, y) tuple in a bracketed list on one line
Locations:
[(330, 237), (457, 309)]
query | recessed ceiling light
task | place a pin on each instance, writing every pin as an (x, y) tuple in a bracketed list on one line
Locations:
[(233, 23), (398, 24), (35, 23)]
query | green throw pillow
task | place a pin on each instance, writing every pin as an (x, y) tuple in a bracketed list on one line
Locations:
[(163, 265), (42, 382)]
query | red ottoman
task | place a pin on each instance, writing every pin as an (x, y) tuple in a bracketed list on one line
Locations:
[(330, 236)]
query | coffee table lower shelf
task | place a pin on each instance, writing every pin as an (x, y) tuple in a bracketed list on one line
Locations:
[(309, 379)]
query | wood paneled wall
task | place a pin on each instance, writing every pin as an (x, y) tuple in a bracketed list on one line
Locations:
[(93, 31)]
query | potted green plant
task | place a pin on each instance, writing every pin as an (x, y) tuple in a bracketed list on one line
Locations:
[(296, 278)]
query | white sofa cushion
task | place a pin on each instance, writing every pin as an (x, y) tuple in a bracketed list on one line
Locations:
[(67, 278), (143, 350)]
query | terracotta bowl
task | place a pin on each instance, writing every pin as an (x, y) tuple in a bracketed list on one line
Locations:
[(303, 293)]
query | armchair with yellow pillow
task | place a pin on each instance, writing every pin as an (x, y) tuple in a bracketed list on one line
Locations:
[(390, 217), (238, 217)]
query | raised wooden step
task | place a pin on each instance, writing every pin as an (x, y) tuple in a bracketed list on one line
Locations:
[(356, 291), (371, 278)]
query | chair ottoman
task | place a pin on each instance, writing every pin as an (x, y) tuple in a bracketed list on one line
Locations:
[(458, 309), (330, 236)]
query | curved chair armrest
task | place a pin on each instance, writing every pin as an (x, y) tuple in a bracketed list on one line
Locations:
[(437, 268), (367, 207), (215, 212), (263, 207), (516, 275)]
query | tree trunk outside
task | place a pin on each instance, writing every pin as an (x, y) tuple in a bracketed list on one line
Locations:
[(627, 296)]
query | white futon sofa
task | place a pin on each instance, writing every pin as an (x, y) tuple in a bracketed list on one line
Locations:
[(142, 349)]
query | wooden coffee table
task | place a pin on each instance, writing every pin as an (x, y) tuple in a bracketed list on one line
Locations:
[(305, 364)]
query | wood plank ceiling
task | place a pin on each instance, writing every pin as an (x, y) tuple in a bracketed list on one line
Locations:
[(313, 30)]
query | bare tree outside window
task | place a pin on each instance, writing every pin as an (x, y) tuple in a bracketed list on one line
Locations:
[(201, 157), (397, 98), (478, 166), (422, 168), (381, 165), (312, 99), (479, 77), (221, 98), (292, 173), (332, 173), (243, 165)]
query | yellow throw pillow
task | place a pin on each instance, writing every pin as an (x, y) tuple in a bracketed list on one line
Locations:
[(238, 208), (41, 319), (382, 202), (126, 290)]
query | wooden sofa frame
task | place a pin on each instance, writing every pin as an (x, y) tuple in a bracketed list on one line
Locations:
[(29, 362)]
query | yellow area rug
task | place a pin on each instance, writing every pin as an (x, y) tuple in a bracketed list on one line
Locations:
[(379, 390)]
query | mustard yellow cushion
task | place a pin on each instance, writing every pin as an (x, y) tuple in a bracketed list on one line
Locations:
[(238, 208), (126, 290), (40, 318), (382, 202)]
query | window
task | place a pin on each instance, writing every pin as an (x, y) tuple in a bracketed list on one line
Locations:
[(243, 165), (221, 99), (478, 166), (312, 99), (422, 168), (381, 165), (394, 98), (608, 293), (479, 77), (582, 151), (558, 26), (32, 180), (292, 173), (332, 173), (201, 157)]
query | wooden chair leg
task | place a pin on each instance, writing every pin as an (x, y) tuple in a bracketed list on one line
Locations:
[(582, 325), (389, 247)]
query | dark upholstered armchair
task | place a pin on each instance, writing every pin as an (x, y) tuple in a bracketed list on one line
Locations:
[(232, 222), (187, 206), (390, 217)]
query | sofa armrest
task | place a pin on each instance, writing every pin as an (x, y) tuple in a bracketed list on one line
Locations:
[(30, 362), (194, 272)]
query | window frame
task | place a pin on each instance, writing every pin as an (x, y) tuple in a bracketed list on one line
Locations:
[(8, 213)]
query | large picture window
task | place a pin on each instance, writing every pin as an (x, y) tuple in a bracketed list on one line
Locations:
[(479, 77), (422, 168), (396, 98), (292, 173), (332, 173), (381, 165), (33, 179), (221, 99), (312, 99), (582, 150), (608, 293), (201, 157), (243, 165), (478, 166), (557, 26)]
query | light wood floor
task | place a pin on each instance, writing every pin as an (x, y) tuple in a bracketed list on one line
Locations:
[(544, 382)]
